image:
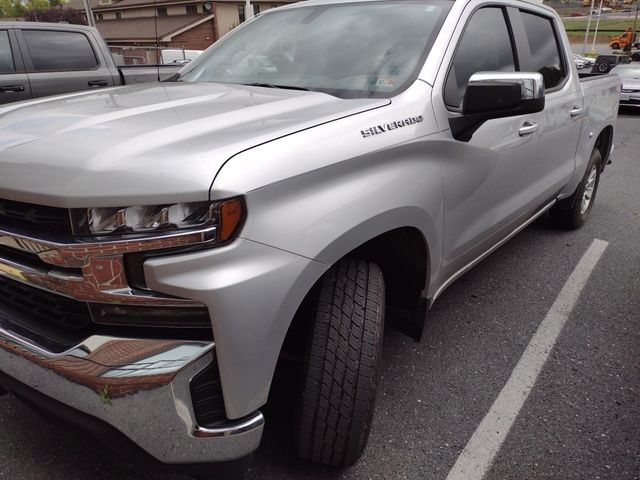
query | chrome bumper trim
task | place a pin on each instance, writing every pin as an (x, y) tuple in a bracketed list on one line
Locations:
[(98, 273), (254, 421), (139, 386)]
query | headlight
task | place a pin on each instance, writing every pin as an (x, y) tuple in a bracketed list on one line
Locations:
[(226, 216)]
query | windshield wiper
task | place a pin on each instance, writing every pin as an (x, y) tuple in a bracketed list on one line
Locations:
[(269, 85)]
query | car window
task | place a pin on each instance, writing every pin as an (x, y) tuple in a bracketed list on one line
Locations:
[(59, 51), (544, 48), (485, 46), (6, 57), (347, 49)]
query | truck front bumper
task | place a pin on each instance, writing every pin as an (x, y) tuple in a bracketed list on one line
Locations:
[(138, 388)]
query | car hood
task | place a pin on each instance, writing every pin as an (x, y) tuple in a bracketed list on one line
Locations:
[(146, 144), (631, 84)]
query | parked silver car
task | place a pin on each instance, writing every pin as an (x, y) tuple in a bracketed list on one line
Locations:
[(629, 75)]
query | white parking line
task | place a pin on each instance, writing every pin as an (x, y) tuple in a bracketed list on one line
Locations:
[(483, 446)]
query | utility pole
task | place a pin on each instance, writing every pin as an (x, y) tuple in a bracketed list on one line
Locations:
[(586, 34), (635, 22), (595, 34), (87, 8)]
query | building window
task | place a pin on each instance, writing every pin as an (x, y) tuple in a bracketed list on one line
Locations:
[(162, 11), (241, 14), (118, 15), (99, 17), (206, 8), (192, 10), (256, 9)]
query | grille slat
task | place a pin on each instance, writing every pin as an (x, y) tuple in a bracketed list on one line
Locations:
[(34, 219), (43, 307)]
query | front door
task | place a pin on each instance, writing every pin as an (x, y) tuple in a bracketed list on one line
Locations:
[(488, 179)]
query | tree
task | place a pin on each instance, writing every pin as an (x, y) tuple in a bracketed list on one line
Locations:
[(55, 15), (11, 8)]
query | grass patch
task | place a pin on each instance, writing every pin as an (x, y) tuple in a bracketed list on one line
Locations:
[(615, 25)]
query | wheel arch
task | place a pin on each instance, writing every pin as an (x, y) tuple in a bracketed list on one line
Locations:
[(403, 254), (604, 144)]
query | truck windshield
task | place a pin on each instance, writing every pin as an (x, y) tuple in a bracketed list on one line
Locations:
[(351, 50)]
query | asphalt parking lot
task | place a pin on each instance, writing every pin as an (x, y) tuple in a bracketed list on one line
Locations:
[(581, 419)]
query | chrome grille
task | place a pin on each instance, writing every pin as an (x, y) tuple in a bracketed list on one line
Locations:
[(44, 306), (34, 219)]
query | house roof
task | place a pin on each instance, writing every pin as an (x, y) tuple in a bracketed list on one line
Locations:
[(126, 4), (144, 29)]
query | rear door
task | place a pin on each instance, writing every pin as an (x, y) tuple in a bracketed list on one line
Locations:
[(561, 121), (59, 61), (14, 84)]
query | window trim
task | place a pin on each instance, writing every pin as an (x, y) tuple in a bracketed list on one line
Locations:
[(18, 55), (516, 56), (28, 60), (13, 54)]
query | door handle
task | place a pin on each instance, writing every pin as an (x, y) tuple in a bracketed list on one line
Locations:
[(527, 129), (575, 111), (12, 88), (98, 83)]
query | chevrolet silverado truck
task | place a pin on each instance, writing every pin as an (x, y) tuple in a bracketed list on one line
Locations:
[(42, 59), (325, 169)]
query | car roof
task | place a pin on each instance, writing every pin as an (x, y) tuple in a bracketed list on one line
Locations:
[(45, 25)]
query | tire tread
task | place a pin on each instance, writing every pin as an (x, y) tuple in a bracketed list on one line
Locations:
[(341, 366)]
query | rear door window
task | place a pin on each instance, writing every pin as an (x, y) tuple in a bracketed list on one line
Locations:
[(544, 48), (485, 46), (7, 65), (59, 51)]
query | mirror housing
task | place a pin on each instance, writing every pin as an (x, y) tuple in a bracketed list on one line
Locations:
[(491, 95)]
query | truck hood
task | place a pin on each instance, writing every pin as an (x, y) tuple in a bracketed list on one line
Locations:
[(146, 144)]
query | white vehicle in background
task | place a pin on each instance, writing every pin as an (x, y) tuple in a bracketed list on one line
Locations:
[(630, 77), (178, 55), (582, 61)]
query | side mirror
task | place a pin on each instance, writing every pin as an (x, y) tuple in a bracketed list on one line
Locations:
[(492, 95)]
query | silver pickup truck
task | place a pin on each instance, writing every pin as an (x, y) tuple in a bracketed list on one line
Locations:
[(42, 59), (325, 169)]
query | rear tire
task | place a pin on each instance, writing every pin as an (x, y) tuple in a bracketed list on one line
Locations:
[(615, 46), (572, 212), (341, 366)]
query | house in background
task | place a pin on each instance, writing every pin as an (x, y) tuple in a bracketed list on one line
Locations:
[(185, 24)]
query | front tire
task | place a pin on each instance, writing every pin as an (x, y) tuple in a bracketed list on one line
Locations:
[(572, 212), (341, 366)]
